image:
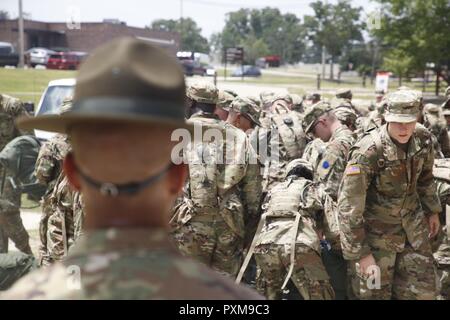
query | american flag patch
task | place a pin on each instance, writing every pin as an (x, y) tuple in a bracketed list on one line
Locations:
[(352, 170)]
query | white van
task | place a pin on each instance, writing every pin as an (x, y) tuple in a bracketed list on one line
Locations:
[(51, 101)]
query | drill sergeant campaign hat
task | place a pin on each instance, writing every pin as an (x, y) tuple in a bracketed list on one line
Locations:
[(402, 106), (247, 108), (126, 81), (313, 114)]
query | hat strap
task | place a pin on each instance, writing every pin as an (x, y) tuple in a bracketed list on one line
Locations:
[(114, 190)]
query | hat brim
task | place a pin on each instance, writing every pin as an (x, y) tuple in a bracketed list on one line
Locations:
[(63, 123), (401, 118)]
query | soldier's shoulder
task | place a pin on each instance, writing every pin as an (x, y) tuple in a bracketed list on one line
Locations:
[(365, 147)]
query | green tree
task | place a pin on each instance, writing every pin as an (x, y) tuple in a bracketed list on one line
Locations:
[(191, 38), (417, 29), (398, 62), (281, 34), (336, 27)]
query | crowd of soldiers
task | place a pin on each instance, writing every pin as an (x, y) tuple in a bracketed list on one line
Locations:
[(316, 194)]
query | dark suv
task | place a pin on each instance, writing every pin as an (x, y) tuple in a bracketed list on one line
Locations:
[(8, 56)]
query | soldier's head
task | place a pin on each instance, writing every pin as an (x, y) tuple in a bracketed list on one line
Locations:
[(223, 105), (299, 168), (297, 103), (446, 114), (344, 94), (244, 114), (312, 98), (281, 103), (128, 99), (345, 114), (266, 99), (202, 97), (401, 114), (379, 95), (320, 121)]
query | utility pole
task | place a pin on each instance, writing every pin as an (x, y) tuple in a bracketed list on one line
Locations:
[(323, 46), (21, 38), (181, 24)]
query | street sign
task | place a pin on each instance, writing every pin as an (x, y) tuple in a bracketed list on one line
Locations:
[(234, 55)]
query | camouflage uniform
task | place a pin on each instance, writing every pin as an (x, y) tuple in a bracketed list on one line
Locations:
[(11, 225), (287, 246), (435, 122), (210, 223), (329, 160), (126, 264), (441, 245), (385, 196)]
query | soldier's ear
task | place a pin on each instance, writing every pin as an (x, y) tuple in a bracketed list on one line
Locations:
[(177, 178), (71, 171)]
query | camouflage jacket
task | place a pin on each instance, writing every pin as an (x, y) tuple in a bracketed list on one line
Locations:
[(230, 185), (329, 166), (126, 264), (386, 193)]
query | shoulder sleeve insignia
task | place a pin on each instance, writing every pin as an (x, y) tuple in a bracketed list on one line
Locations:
[(352, 170)]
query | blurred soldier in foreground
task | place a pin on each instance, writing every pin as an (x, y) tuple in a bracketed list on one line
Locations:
[(389, 208), (11, 225), (122, 108), (287, 245)]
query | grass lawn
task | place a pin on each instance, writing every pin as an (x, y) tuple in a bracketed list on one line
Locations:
[(29, 84)]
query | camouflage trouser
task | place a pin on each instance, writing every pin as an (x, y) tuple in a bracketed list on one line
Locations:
[(212, 243), (408, 275), (443, 273), (309, 275)]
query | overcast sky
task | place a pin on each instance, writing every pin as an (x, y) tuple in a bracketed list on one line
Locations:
[(209, 14)]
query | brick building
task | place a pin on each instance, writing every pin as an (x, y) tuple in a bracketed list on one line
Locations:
[(57, 35)]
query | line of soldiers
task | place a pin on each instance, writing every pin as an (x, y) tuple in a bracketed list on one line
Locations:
[(347, 192)]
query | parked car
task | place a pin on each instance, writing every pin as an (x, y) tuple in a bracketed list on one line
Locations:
[(66, 60), (8, 56), (247, 71), (210, 71), (38, 56), (51, 101)]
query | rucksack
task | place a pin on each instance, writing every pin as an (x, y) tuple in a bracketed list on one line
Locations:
[(18, 160)]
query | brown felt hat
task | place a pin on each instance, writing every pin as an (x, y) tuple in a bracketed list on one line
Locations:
[(124, 81)]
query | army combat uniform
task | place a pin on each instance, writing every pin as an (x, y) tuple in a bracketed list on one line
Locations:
[(286, 245), (11, 225), (385, 197)]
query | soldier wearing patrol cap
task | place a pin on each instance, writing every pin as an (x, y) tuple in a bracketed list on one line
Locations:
[(221, 198), (344, 94), (312, 98), (128, 99), (223, 105), (244, 114), (389, 207), (329, 164)]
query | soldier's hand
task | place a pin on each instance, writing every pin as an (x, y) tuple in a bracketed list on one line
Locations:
[(365, 263), (433, 225)]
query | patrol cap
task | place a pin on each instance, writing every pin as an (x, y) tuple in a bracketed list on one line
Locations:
[(297, 102), (203, 92), (123, 81), (345, 113), (298, 163), (224, 100), (402, 106), (313, 113), (255, 100), (247, 108), (266, 98), (431, 108), (344, 94), (284, 97)]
